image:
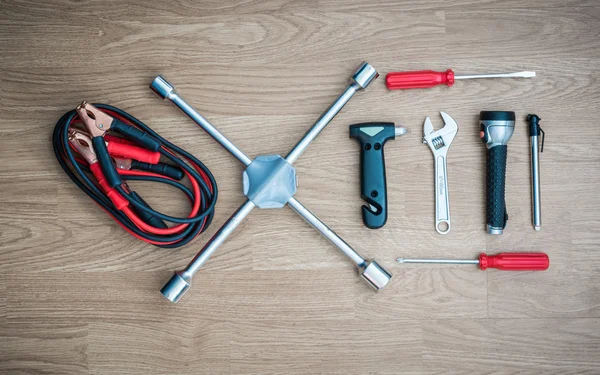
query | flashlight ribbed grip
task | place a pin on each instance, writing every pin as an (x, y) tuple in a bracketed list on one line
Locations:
[(496, 176)]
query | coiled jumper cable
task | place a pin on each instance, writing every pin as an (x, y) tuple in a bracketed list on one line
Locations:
[(101, 147)]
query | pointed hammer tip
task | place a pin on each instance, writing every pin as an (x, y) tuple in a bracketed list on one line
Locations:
[(400, 260), (400, 131)]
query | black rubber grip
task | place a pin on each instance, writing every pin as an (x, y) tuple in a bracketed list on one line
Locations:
[(108, 168), (147, 217), (136, 135), (496, 176), (372, 137), (373, 186), (534, 125), (165, 169)]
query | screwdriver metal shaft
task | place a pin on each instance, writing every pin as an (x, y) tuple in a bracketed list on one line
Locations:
[(496, 75), (438, 261)]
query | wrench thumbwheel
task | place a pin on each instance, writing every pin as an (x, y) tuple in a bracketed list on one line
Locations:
[(438, 142)]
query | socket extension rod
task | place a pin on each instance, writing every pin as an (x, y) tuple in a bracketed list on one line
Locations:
[(502, 261), (424, 79), (270, 182)]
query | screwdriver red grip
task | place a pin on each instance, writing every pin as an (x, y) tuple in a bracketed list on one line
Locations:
[(421, 79), (132, 152), (515, 261)]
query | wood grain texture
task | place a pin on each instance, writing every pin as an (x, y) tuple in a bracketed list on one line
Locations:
[(80, 296)]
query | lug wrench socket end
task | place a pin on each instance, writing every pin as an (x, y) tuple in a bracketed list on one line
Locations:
[(162, 88), (176, 287), (375, 275)]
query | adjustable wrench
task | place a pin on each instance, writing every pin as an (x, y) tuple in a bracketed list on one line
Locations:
[(439, 141)]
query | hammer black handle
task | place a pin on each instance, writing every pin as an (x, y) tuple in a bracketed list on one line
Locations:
[(372, 137), (373, 187)]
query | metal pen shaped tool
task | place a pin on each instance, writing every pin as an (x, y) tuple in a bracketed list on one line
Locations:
[(534, 133)]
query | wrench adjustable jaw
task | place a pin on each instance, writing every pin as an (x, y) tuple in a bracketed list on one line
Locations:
[(439, 141), (270, 182)]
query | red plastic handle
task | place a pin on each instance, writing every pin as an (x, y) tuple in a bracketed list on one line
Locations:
[(112, 138), (111, 193), (132, 152), (421, 79), (515, 261)]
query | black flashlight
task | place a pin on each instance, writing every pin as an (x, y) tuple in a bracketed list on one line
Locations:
[(496, 129)]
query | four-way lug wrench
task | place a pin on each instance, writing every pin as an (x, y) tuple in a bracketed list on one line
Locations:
[(270, 182)]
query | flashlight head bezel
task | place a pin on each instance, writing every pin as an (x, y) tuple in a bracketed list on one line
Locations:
[(497, 127)]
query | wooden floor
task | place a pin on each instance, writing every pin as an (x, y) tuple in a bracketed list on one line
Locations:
[(79, 295)]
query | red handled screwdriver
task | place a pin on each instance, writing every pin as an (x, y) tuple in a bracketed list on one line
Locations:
[(424, 79), (502, 261)]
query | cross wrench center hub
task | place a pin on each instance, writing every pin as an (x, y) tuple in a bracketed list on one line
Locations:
[(269, 181)]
